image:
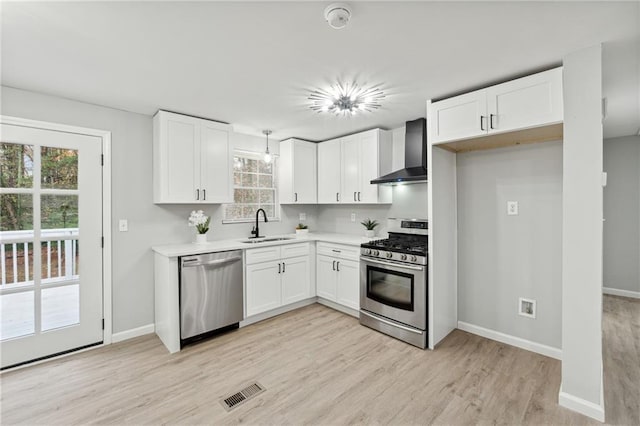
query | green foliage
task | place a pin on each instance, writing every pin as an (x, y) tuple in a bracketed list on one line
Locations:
[(369, 224), (302, 226)]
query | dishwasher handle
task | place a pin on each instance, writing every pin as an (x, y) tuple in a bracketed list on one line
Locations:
[(212, 262)]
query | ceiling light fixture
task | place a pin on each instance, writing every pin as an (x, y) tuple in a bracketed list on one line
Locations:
[(337, 15), (267, 155), (346, 99)]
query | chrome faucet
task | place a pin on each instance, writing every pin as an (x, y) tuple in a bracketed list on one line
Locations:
[(256, 230)]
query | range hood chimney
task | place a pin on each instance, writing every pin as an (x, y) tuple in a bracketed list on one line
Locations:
[(415, 156)]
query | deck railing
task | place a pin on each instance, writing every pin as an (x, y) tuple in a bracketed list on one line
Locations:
[(59, 250)]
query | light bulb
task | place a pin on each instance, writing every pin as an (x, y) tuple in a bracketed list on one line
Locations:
[(267, 157)]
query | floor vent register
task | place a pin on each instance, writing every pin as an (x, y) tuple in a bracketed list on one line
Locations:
[(244, 395)]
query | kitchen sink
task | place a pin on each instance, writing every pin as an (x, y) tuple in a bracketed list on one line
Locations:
[(266, 240)]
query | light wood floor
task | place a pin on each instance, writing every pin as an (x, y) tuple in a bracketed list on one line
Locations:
[(319, 367)]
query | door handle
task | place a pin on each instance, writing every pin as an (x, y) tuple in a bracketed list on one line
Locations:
[(358, 196), (295, 194), (338, 197), (334, 265), (491, 121), (338, 266), (354, 197), (211, 262), (197, 194), (283, 266), (482, 117), (279, 268), (204, 194)]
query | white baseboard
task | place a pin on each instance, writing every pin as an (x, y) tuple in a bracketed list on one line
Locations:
[(338, 307), (582, 406), (511, 340), (134, 332), (278, 311), (623, 293)]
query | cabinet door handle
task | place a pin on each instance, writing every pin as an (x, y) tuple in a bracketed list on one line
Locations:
[(337, 196), (283, 265), (491, 121), (295, 194), (197, 195), (338, 266), (204, 194), (358, 196), (334, 265), (279, 268), (482, 117), (336, 251), (354, 196)]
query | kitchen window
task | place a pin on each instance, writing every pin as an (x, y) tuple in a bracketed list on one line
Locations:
[(254, 187)]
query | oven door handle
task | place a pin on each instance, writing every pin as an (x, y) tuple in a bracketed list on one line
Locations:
[(393, 324), (396, 265)]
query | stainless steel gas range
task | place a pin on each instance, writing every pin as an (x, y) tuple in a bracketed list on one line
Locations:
[(393, 282)]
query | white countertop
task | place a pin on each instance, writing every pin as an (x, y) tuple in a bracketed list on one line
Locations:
[(175, 250)]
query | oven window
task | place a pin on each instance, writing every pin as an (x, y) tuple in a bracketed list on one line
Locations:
[(391, 288)]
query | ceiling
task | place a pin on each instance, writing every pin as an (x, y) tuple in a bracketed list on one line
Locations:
[(252, 64)]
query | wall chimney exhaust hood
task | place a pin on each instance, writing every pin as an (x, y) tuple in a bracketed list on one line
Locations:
[(415, 156)]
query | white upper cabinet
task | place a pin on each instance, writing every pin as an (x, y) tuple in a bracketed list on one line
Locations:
[(192, 160), (525, 103), (347, 165), (329, 171), (298, 162)]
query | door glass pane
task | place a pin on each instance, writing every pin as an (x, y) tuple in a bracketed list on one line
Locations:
[(59, 168), (17, 316), (59, 212), (60, 306), (16, 213), (390, 287), (16, 165)]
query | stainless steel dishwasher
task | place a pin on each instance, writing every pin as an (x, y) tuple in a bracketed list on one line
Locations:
[(211, 294)]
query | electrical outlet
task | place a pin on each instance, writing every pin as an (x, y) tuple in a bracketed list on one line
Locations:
[(303, 216), (123, 225), (512, 208), (527, 307), (353, 217)]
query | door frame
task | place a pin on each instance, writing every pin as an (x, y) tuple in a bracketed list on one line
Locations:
[(106, 208)]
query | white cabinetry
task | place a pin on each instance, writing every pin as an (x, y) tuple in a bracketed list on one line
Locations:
[(347, 165), (338, 274), (277, 276), (524, 103), (192, 160), (298, 162)]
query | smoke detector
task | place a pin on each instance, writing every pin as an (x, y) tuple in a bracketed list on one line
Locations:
[(337, 15)]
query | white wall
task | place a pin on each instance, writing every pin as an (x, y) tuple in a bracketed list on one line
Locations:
[(582, 203), (502, 258), (132, 197), (622, 214)]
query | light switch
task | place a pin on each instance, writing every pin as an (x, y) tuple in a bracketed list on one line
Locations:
[(303, 216), (123, 225), (512, 208), (353, 217)]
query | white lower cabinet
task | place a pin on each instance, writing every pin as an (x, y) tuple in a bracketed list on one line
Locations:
[(277, 276), (338, 274)]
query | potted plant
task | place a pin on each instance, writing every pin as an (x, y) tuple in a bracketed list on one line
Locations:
[(302, 230), (370, 226), (201, 222)]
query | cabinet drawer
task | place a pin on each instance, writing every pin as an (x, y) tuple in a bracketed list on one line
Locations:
[(293, 250), (264, 254), (339, 250)]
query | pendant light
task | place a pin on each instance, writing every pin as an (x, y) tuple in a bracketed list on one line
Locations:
[(267, 155)]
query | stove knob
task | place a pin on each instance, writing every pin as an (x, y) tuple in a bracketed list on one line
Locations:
[(375, 252), (367, 251), (413, 258), (389, 255), (403, 257)]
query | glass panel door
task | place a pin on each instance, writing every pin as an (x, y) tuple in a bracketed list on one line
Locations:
[(51, 203)]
